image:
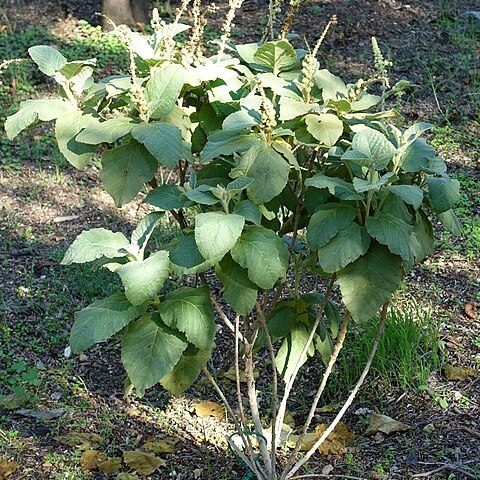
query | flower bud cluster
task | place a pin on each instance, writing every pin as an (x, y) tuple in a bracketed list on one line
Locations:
[(268, 120), (233, 5), (381, 65), (308, 70), (290, 17), (137, 95)]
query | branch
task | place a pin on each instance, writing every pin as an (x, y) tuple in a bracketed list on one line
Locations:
[(289, 384), (268, 339), (222, 314), (253, 400), (321, 388), (349, 400)]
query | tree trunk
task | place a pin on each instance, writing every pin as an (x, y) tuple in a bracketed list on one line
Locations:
[(124, 12)]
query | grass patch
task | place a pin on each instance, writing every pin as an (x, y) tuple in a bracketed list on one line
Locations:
[(408, 353)]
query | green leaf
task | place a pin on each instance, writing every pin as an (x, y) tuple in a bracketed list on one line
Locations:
[(30, 111), (186, 371), (249, 211), (326, 222), (365, 102), (344, 248), (263, 253), (268, 169), (202, 194), (279, 324), (290, 353), (143, 279), (417, 156), (326, 128), (238, 291), (370, 281), (145, 228), (450, 222), (417, 129), (411, 194), (125, 171), (163, 88), (95, 243), (362, 186), (391, 231), (166, 197), (100, 320), (227, 142), (216, 233), (67, 127), (370, 148), (423, 233), (150, 350), (291, 108), (336, 186), (186, 256), (190, 311), (105, 132), (48, 59), (443, 193), (275, 55), (240, 120), (332, 86), (162, 140)]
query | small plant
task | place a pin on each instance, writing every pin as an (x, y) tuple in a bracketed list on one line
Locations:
[(271, 167)]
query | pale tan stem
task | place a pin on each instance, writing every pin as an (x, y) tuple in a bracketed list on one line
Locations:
[(224, 317), (250, 464), (268, 339), (243, 418), (328, 370), (254, 408), (289, 385), (349, 400)]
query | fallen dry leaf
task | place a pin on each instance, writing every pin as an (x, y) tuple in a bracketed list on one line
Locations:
[(384, 424), (161, 445), (91, 458), (41, 415), (127, 476), (142, 463), (459, 373), (7, 468), (83, 440), (333, 407), (209, 409), (337, 441), (197, 472), (110, 465), (472, 309), (335, 444), (230, 374)]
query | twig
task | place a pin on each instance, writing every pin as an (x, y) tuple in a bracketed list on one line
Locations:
[(350, 398), (328, 370), (263, 323), (463, 428), (449, 467), (289, 384), (324, 475), (223, 316)]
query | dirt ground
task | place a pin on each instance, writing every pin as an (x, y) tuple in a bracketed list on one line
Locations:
[(44, 204)]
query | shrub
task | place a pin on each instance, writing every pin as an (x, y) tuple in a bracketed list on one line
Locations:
[(279, 168)]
